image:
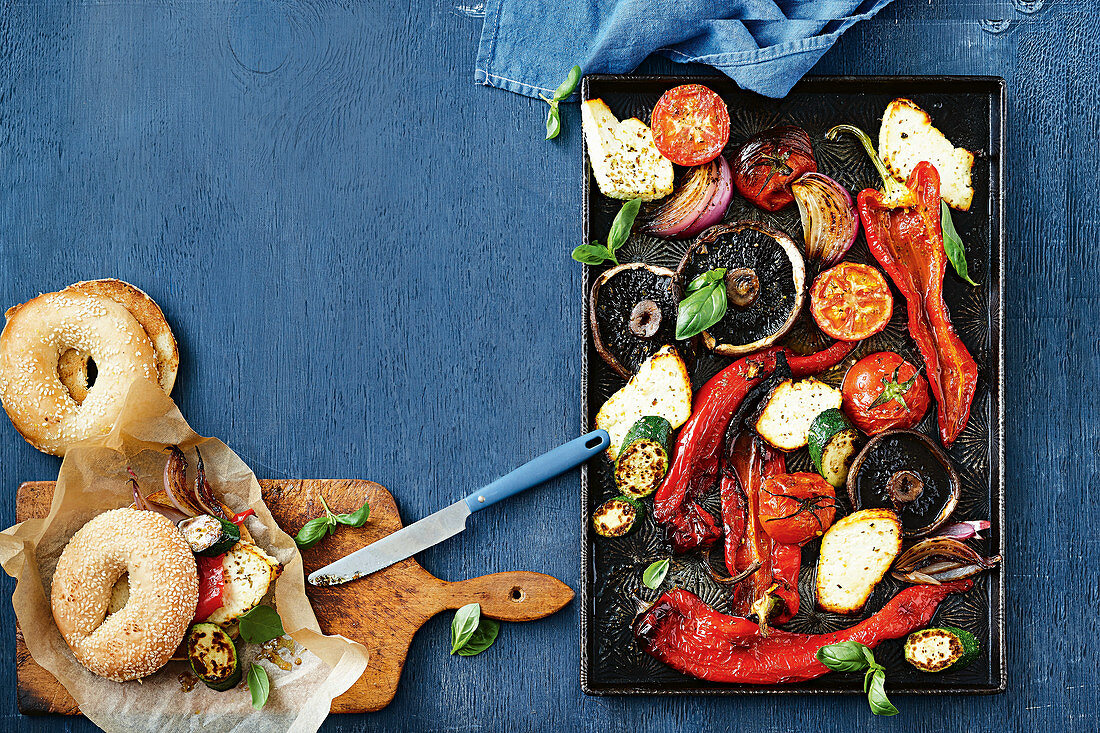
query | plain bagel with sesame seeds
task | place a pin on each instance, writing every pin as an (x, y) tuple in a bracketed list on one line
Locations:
[(141, 637), (37, 333)]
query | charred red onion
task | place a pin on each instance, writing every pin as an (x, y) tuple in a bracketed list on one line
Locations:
[(716, 208), (686, 204), (205, 495), (964, 530), (939, 560), (829, 220), (175, 477)]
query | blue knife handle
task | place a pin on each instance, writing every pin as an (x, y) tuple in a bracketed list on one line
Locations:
[(540, 469)]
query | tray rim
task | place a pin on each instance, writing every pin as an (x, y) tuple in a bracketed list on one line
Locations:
[(994, 86)]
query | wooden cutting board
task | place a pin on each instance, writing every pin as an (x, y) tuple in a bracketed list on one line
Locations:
[(382, 612)]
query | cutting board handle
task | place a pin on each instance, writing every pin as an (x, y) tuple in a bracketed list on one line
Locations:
[(511, 596)]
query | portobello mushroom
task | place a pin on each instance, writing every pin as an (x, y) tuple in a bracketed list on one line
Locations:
[(905, 471), (765, 284), (633, 314)]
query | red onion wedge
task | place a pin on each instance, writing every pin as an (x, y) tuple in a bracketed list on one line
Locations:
[(685, 205), (940, 560), (964, 530), (829, 220), (716, 208), (175, 477)]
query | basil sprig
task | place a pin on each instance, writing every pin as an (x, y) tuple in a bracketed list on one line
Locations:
[(596, 253), (259, 686), (953, 244), (260, 624), (553, 117), (655, 574), (313, 530), (704, 305), (851, 656), (470, 633)]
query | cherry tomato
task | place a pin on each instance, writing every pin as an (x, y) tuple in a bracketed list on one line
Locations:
[(796, 507), (883, 392), (767, 162), (851, 301), (690, 125)]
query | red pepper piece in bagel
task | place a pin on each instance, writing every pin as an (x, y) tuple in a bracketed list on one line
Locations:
[(685, 633), (211, 586)]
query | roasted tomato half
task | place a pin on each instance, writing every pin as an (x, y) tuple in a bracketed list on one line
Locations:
[(767, 163), (796, 507), (690, 125), (851, 302), (883, 392)]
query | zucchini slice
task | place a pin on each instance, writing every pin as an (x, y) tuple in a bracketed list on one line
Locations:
[(832, 442), (213, 656), (643, 459), (209, 536), (941, 649), (616, 517), (790, 410)]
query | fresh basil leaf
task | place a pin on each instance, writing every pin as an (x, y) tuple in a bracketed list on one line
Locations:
[(568, 85), (481, 639), (701, 310), (357, 518), (876, 695), (845, 656), (592, 254), (706, 278), (464, 625), (953, 244), (313, 530), (655, 574), (258, 685), (624, 222), (553, 121), (260, 624)]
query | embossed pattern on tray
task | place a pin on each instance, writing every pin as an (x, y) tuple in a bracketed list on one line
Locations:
[(969, 111)]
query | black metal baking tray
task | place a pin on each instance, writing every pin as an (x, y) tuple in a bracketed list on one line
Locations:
[(970, 111)]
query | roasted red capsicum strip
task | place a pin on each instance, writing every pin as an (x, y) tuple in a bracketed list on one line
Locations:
[(211, 586), (694, 469), (688, 635), (902, 226)]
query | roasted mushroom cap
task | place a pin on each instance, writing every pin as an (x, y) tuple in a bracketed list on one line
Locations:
[(633, 314), (905, 471), (765, 284)]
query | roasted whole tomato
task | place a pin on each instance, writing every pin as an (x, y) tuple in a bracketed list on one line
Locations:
[(767, 163), (690, 125), (851, 302), (796, 507), (883, 392)]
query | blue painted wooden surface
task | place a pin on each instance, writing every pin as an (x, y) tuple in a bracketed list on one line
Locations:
[(365, 258)]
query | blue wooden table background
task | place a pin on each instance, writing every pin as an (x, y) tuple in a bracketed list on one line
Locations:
[(364, 256)]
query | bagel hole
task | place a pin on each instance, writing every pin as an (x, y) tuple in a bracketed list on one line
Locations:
[(93, 372), (120, 595)]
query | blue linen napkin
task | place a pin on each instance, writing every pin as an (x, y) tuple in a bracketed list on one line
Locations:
[(528, 46)]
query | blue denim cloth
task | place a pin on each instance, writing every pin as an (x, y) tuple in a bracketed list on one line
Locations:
[(528, 46)]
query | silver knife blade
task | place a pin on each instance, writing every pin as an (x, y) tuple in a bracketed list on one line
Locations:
[(395, 547)]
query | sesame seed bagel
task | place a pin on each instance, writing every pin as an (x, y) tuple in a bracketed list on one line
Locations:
[(164, 589), (73, 365), (36, 335)]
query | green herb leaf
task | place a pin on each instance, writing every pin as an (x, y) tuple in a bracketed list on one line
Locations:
[(481, 639), (260, 624), (846, 656), (258, 685), (655, 574), (624, 222), (592, 254), (568, 85), (313, 530), (876, 694), (464, 625), (953, 244), (553, 121), (705, 306), (357, 518)]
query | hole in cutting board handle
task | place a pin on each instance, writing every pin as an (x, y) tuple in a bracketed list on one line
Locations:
[(516, 594)]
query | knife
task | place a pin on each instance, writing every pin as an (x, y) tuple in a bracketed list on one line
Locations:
[(448, 522)]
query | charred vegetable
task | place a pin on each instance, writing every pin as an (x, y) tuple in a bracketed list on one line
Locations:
[(905, 471), (829, 219), (765, 282), (883, 391), (633, 314), (700, 201), (209, 536), (941, 649), (643, 459), (616, 517), (213, 656), (940, 560), (832, 442), (795, 508), (768, 162)]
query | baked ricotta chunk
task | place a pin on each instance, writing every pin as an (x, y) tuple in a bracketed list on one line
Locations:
[(907, 137), (625, 162), (248, 572), (855, 554), (661, 387)]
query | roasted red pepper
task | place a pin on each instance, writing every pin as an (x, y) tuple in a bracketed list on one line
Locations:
[(694, 469), (902, 225), (211, 586), (239, 518), (686, 634)]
